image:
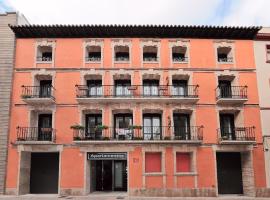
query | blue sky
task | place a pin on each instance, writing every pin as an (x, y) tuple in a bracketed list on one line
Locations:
[(186, 12)]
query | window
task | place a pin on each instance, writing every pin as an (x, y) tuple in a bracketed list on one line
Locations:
[(267, 53), (44, 53), (224, 54), (180, 88), (122, 88), (153, 162), (179, 54), (181, 126), (183, 162), (45, 127), (93, 54), (121, 124), (150, 54), (121, 53), (225, 89), (150, 87), (45, 88), (91, 123), (152, 126), (94, 88), (227, 127)]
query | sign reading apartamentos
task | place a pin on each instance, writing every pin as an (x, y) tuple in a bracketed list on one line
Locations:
[(106, 156)]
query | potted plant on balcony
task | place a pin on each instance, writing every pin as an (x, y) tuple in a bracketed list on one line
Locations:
[(77, 127), (138, 138), (131, 127), (25, 96), (167, 137), (101, 127)]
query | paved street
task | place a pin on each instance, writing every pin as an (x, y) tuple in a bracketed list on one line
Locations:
[(121, 196)]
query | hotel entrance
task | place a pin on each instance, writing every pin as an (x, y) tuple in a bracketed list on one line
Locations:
[(108, 171)]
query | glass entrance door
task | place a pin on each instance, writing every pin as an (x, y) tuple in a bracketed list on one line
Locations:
[(120, 175), (110, 175)]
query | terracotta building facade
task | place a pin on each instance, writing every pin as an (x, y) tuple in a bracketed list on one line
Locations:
[(150, 110)]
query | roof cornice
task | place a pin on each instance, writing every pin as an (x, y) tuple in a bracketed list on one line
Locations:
[(134, 31)]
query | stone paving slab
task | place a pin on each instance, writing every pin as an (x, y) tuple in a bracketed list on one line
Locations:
[(121, 196)]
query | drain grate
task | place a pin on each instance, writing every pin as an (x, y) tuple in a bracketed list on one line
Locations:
[(120, 197)]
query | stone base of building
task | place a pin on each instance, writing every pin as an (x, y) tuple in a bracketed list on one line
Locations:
[(204, 192), (72, 192), (11, 191), (263, 192)]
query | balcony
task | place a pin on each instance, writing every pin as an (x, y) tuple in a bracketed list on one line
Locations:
[(111, 93), (38, 94), (35, 135), (93, 59), (44, 59), (225, 60), (145, 134), (237, 135), (231, 94), (180, 59)]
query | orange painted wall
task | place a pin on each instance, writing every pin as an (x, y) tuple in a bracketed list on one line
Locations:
[(72, 168), (69, 53), (135, 168), (206, 167)]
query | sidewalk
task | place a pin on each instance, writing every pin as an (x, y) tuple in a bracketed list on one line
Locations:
[(120, 196)]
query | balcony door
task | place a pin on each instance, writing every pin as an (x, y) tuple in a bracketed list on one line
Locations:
[(227, 126), (92, 121), (152, 127), (181, 126), (45, 88), (45, 127), (94, 88), (122, 88), (121, 124), (180, 88), (150, 87), (225, 89)]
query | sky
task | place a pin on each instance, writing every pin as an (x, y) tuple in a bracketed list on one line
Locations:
[(175, 12)]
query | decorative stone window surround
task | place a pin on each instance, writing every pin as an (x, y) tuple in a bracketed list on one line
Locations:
[(153, 149), (42, 74), (193, 172), (181, 73), (121, 42), (238, 113), (182, 109), (180, 43), (92, 72), (93, 42), (151, 42), (228, 44), (34, 111), (46, 43)]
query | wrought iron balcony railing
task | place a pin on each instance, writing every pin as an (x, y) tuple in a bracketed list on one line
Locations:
[(137, 91), (29, 92), (180, 59), (150, 59), (226, 60), (93, 59), (237, 134), (29, 134), (121, 58), (44, 59), (231, 92), (192, 133)]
